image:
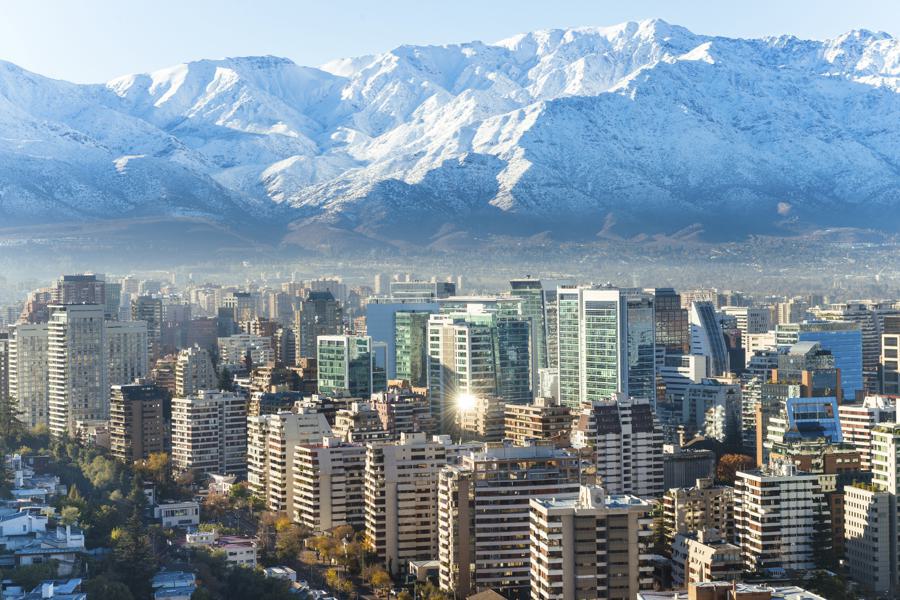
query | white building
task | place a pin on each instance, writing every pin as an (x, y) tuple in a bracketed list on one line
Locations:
[(483, 514), (858, 421), (627, 444), (193, 372), (29, 371), (234, 349), (330, 484), (78, 370), (589, 546), (401, 499), (178, 514), (271, 441), (209, 433), (778, 513)]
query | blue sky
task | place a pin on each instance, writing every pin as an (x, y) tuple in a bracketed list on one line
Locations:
[(95, 40)]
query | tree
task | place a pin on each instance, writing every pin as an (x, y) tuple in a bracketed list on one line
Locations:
[(226, 382), (69, 515), (11, 426), (29, 576), (289, 540), (103, 588), (660, 542), (379, 579), (133, 554), (730, 464)]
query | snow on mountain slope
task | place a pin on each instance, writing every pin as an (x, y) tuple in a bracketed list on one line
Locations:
[(646, 125)]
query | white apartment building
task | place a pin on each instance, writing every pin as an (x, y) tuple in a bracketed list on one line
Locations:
[(193, 372), (127, 351), (28, 371), (777, 514), (627, 443), (401, 499), (483, 514), (77, 366), (330, 484), (271, 441), (858, 421), (233, 350), (589, 546), (209, 433)]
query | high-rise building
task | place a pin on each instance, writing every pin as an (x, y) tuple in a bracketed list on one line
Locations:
[(404, 411), (418, 290), (411, 347), (477, 350), (285, 343), (401, 499), (784, 533), (77, 364), (150, 310), (79, 289), (531, 292), (592, 332), (346, 366), (193, 372), (4, 365), (705, 555), (707, 338), (750, 320), (627, 444), (870, 317), (236, 350), (29, 372), (591, 546), (271, 442), (858, 420), (483, 514), (890, 359), (127, 351), (209, 433), (712, 408), (871, 517), (703, 506), (136, 428), (319, 314), (243, 306), (330, 484), (842, 338), (672, 328), (542, 420)]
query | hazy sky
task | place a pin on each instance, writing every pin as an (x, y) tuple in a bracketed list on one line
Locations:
[(95, 40)]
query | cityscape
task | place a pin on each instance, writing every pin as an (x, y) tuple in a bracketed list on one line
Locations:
[(449, 301)]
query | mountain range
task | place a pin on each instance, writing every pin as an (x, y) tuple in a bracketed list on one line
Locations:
[(643, 129)]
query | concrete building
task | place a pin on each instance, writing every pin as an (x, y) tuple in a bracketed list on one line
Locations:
[(483, 514), (318, 314), (712, 408), (209, 433), (235, 349), (859, 419), (627, 444), (193, 372), (705, 555), (401, 499), (844, 339), (359, 423), (150, 310), (542, 420), (703, 506), (890, 359), (870, 517), (589, 546), (329, 484), (136, 428), (127, 351), (271, 442), (779, 516), (682, 467), (29, 372), (404, 411), (750, 320), (77, 366)]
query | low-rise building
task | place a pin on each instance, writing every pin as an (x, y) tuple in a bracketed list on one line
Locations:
[(185, 514), (705, 555)]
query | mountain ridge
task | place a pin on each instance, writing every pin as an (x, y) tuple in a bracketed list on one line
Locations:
[(639, 128)]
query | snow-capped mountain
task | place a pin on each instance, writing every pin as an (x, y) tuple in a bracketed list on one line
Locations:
[(637, 128)]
